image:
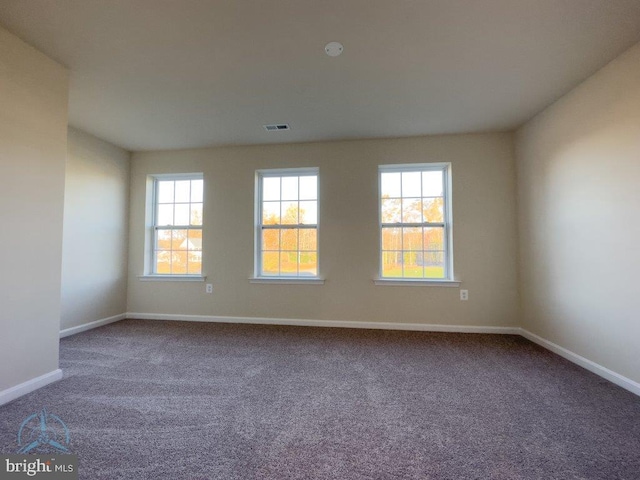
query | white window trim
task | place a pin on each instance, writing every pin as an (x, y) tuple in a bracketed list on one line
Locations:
[(171, 278), (151, 206), (449, 280), (420, 282), (288, 280), (257, 248)]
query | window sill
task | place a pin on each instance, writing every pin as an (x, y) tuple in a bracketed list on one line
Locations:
[(406, 282), (288, 281), (172, 278)]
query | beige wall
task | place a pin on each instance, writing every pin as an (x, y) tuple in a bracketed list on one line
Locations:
[(579, 216), (94, 260), (484, 233), (33, 140)]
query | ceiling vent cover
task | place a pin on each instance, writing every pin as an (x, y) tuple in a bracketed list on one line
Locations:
[(276, 127)]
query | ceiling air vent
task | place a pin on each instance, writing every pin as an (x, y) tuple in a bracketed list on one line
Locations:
[(276, 127)]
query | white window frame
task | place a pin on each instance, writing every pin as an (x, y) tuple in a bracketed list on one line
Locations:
[(152, 228), (258, 277), (447, 225)]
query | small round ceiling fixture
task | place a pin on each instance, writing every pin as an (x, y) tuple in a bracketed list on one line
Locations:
[(333, 49)]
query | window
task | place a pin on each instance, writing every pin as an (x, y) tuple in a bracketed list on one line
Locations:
[(415, 222), (287, 223), (177, 224)]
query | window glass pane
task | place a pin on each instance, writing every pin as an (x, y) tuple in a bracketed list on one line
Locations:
[(194, 240), (163, 240), (194, 266), (308, 239), (179, 263), (412, 263), (165, 215), (308, 263), (270, 239), (183, 191), (392, 264), (270, 213), (163, 262), (182, 214), (434, 238), (309, 188), (179, 240), (289, 239), (288, 263), (433, 210), (289, 213), (165, 191), (434, 264), (308, 213), (390, 210), (391, 238), (411, 184), (390, 185), (270, 263), (412, 238), (271, 188), (432, 184), (411, 210), (289, 188), (197, 187), (196, 214)]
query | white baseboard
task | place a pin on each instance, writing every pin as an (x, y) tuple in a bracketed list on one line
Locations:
[(423, 327), (29, 386), (624, 382), (88, 326)]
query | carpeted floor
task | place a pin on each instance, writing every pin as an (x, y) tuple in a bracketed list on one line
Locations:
[(173, 400)]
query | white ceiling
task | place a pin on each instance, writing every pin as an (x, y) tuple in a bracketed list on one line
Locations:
[(167, 74)]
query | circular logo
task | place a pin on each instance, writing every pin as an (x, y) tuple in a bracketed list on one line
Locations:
[(43, 432)]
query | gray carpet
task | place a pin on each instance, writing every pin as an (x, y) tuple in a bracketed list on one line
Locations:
[(173, 400)]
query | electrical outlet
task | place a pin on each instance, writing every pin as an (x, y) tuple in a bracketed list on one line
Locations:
[(209, 288), (464, 295)]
